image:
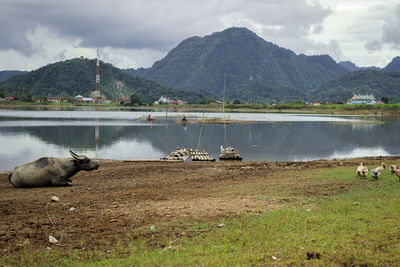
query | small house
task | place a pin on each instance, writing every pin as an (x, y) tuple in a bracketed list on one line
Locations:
[(79, 98), (54, 99), (39, 99), (88, 100), (82, 99), (162, 100), (362, 99), (316, 104), (65, 99), (126, 100)]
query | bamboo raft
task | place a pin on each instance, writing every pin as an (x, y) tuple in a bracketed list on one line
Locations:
[(178, 154), (181, 154), (229, 153), (201, 155)]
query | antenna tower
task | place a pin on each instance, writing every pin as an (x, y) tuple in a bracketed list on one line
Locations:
[(97, 92)]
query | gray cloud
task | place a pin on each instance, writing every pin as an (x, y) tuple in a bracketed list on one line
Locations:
[(60, 56), (332, 48), (390, 33), (151, 24), (373, 45), (391, 29)]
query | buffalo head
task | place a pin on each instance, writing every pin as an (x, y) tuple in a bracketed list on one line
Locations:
[(83, 162)]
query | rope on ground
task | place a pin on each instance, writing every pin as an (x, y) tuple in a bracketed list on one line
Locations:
[(48, 215), (52, 223)]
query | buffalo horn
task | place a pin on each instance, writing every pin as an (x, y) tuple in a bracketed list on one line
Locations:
[(75, 156)]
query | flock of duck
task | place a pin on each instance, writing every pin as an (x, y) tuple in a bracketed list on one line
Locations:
[(363, 171)]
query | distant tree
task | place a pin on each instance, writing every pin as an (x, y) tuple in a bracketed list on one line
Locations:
[(385, 99), (136, 99), (236, 101), (23, 94), (205, 101), (2, 92), (297, 102)]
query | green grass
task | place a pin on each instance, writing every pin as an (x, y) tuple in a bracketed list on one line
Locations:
[(357, 227)]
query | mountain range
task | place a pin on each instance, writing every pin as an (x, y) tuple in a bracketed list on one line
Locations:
[(394, 65), (6, 74), (255, 70)]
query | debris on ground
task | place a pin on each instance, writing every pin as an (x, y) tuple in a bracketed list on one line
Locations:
[(53, 240), (313, 255)]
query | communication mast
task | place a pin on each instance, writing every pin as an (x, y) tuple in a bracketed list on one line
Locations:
[(97, 92)]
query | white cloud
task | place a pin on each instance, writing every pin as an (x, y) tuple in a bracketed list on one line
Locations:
[(357, 26)]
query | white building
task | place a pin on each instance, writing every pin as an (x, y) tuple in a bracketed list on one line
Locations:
[(362, 99), (163, 99), (80, 98)]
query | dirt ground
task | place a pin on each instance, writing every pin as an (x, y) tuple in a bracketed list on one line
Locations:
[(122, 200)]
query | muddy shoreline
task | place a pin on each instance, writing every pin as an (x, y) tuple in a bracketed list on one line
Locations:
[(122, 200)]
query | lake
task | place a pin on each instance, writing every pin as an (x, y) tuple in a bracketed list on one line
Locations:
[(125, 134)]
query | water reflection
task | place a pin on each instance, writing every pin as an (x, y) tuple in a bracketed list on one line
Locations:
[(128, 137), (160, 115)]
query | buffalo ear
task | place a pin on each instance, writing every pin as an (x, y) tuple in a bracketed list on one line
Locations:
[(76, 156)]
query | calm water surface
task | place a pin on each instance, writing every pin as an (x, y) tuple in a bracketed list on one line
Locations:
[(28, 134)]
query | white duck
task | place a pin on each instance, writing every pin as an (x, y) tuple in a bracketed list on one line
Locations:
[(377, 171), (397, 172), (362, 170), (393, 168)]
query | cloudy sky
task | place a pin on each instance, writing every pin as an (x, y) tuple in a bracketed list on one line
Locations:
[(136, 33)]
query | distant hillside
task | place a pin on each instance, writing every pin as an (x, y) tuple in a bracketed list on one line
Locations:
[(6, 74), (256, 91), (394, 65), (200, 63), (378, 83), (349, 65), (353, 67), (77, 77)]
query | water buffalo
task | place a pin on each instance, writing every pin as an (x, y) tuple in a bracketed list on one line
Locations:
[(50, 171)]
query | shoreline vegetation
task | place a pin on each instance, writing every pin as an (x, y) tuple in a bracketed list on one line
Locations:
[(338, 109)]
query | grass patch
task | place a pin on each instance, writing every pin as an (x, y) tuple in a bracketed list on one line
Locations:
[(355, 226)]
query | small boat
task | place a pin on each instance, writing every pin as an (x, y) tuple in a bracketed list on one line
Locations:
[(184, 121), (149, 118)]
